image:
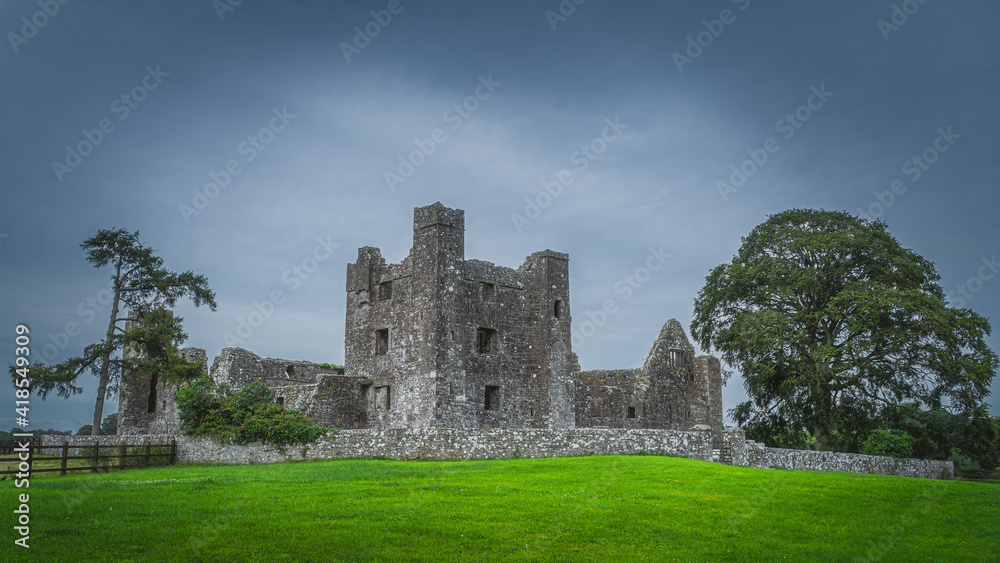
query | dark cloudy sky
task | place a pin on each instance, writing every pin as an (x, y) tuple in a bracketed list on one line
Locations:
[(501, 96)]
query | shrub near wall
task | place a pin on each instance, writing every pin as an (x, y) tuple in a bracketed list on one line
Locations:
[(888, 443), (207, 409)]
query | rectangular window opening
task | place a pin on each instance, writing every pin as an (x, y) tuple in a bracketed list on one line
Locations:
[(280, 401), (382, 398), (486, 291), (676, 357), (557, 308), (485, 340), (385, 291), (381, 342), (492, 398), (631, 412)]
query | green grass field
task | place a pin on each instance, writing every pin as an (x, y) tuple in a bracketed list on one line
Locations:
[(610, 508)]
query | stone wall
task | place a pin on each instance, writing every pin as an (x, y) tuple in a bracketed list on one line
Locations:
[(431, 443), (504, 443), (239, 368), (708, 391), (610, 398), (334, 401), (760, 456)]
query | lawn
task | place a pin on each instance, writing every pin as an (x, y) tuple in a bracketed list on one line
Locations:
[(607, 508)]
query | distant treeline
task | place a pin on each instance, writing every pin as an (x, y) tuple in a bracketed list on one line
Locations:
[(8, 438)]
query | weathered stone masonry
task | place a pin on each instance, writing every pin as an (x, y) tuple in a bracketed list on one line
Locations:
[(439, 341), (506, 443), (673, 389), (456, 343)]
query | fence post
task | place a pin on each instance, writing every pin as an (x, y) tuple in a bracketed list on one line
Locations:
[(121, 456), (173, 451), (146, 461), (31, 444), (93, 466), (65, 456)]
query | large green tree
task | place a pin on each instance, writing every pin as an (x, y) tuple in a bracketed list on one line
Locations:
[(140, 321), (836, 327)]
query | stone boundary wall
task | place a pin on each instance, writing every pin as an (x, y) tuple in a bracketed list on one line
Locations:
[(503, 443), (763, 457), (431, 443)]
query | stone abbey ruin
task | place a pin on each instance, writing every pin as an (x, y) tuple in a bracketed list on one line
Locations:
[(439, 341)]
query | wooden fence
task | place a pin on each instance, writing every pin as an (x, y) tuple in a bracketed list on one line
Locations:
[(92, 453)]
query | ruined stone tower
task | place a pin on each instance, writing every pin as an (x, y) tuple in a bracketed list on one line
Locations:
[(672, 390), (146, 405), (450, 342), (440, 341)]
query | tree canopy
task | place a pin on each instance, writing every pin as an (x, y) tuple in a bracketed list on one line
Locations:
[(140, 321), (836, 327)]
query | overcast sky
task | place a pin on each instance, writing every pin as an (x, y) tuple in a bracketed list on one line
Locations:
[(306, 115)]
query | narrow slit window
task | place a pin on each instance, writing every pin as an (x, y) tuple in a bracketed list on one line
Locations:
[(557, 308), (492, 398), (385, 291), (151, 402), (381, 342), (485, 340), (631, 412)]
